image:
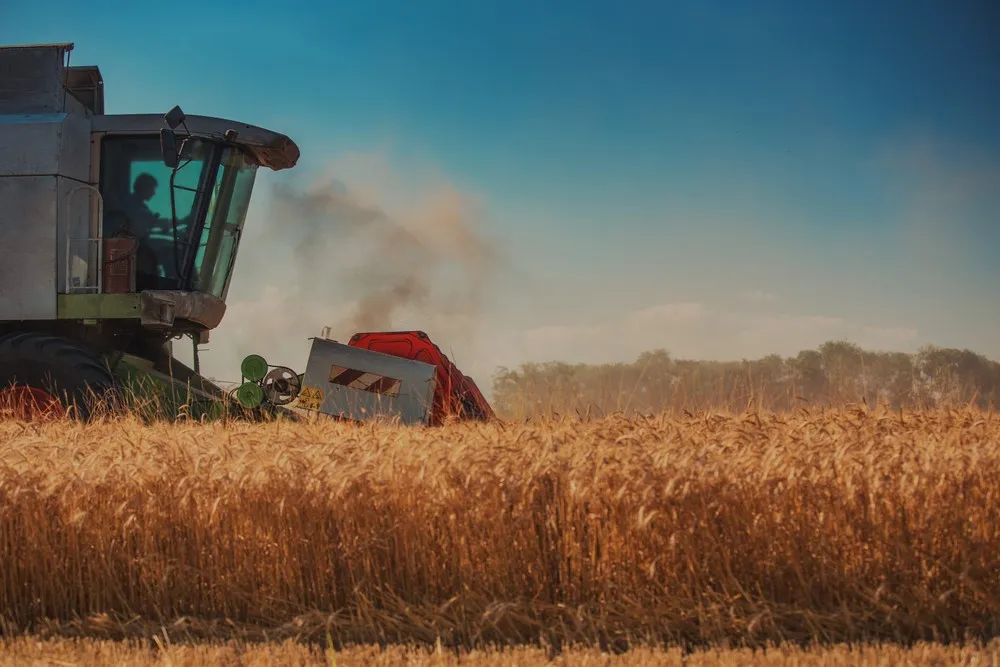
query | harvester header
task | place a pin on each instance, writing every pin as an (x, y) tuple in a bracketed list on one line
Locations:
[(400, 375)]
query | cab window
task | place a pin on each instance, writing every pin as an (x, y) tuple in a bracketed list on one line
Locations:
[(135, 185)]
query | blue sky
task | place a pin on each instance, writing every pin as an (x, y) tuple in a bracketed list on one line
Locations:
[(721, 179)]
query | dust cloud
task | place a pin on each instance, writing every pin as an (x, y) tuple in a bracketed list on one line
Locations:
[(383, 263), (332, 255)]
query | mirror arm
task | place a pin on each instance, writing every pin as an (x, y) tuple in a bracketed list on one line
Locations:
[(168, 147)]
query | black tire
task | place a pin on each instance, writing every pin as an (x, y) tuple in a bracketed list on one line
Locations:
[(57, 366)]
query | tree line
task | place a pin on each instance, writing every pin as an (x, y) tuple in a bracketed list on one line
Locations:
[(837, 372)]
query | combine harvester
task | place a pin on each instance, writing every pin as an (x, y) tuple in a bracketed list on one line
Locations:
[(118, 236)]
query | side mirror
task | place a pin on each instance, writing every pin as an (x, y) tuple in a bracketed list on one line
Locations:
[(168, 146), (174, 117)]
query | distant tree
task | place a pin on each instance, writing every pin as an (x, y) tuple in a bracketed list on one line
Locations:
[(811, 378), (834, 373)]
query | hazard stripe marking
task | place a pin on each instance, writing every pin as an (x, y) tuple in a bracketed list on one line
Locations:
[(372, 382), (385, 385), (344, 376)]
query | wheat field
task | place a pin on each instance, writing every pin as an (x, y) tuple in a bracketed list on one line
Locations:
[(160, 651), (698, 533)]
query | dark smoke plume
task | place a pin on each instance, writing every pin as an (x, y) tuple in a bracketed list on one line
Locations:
[(433, 259)]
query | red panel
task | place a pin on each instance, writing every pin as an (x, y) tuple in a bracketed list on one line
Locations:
[(119, 265), (456, 394)]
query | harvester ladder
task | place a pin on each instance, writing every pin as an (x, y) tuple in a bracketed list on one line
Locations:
[(91, 282)]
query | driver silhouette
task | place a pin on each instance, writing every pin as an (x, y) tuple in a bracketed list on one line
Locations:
[(141, 219), (141, 222), (156, 251)]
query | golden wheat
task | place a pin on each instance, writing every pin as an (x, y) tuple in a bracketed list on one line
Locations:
[(821, 527), (98, 653)]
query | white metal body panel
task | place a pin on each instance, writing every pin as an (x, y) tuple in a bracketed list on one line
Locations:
[(35, 80), (45, 144), (45, 197), (411, 405), (32, 78), (28, 248)]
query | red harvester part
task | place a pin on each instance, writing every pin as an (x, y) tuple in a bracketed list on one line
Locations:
[(30, 404), (119, 265), (456, 394)]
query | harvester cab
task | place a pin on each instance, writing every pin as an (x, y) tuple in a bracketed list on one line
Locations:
[(118, 235)]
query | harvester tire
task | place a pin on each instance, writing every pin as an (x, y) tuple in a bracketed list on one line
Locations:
[(54, 368)]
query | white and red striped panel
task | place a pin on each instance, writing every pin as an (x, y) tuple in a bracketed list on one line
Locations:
[(373, 382)]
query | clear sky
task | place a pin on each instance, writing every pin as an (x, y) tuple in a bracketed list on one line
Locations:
[(719, 179)]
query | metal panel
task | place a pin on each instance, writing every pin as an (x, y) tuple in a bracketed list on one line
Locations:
[(74, 148), (45, 144), (98, 306), (32, 78), (49, 145), (87, 85), (409, 399), (161, 307), (29, 145), (28, 248)]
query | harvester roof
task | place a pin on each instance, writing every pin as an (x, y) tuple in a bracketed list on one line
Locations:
[(271, 149)]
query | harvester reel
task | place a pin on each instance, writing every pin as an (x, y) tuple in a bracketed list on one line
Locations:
[(281, 385), (254, 367)]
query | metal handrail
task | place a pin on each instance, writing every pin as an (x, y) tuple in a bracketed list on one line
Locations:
[(89, 239)]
